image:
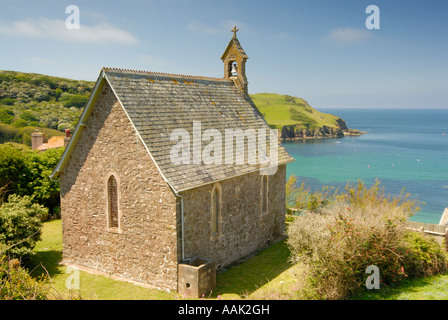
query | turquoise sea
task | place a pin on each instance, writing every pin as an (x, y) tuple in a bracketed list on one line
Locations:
[(403, 148)]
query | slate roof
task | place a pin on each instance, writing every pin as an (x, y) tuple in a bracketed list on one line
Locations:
[(157, 104)]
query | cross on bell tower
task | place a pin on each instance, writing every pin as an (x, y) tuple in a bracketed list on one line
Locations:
[(234, 59), (234, 30)]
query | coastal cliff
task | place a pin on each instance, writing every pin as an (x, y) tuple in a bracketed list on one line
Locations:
[(296, 119), (301, 131)]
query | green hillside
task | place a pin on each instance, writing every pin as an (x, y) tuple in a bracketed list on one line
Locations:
[(29, 101), (283, 110), (296, 119)]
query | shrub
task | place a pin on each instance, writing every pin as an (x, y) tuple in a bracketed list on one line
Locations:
[(57, 93), (423, 256), (45, 191), (17, 284), (26, 172), (20, 226), (7, 101), (20, 123), (6, 115), (13, 172), (340, 240), (44, 80), (66, 125), (77, 101), (4, 78), (300, 198), (28, 116), (8, 133), (337, 248), (41, 96), (357, 195)]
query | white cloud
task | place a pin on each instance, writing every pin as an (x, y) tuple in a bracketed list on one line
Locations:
[(349, 35), (55, 29)]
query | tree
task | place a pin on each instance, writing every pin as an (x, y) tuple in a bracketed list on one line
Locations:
[(6, 115), (26, 173), (58, 93), (77, 100), (20, 226), (20, 123), (28, 116), (7, 101), (13, 167), (39, 167)]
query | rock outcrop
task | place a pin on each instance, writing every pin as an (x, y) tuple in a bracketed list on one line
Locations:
[(300, 131)]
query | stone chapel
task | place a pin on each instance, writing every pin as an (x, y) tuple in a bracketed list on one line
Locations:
[(130, 211)]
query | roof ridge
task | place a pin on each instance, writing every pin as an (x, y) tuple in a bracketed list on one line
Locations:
[(160, 73)]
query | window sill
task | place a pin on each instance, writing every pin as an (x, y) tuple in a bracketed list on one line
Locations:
[(114, 230), (215, 237)]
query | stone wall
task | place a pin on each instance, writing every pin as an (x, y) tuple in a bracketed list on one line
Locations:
[(144, 248), (147, 245), (243, 227)]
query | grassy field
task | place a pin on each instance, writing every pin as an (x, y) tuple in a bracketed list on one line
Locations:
[(281, 110), (49, 253), (266, 275), (239, 282), (429, 288)]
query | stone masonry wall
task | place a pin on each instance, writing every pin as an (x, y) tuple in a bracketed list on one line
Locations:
[(144, 248), (243, 227)]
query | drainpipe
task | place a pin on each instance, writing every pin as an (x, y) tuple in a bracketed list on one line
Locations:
[(182, 226)]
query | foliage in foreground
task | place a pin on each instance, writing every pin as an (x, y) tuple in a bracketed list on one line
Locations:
[(17, 284), (20, 226), (423, 256), (26, 172), (348, 232)]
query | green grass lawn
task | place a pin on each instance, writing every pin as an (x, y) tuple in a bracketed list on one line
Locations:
[(429, 288), (92, 286), (266, 275), (237, 282)]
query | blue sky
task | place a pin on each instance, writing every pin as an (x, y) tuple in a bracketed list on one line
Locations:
[(319, 50)]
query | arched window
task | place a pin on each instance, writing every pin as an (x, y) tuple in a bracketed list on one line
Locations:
[(216, 209), (112, 202), (264, 193)]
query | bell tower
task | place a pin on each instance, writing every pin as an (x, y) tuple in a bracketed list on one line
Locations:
[(234, 59)]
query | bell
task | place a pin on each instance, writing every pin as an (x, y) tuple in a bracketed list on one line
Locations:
[(234, 71)]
